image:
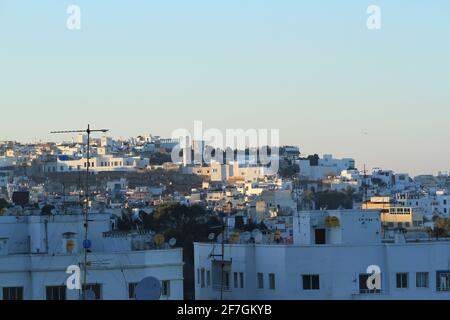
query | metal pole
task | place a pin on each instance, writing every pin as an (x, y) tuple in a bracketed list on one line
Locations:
[(222, 263), (86, 195), (86, 209)]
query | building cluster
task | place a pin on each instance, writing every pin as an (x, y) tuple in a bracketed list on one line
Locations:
[(310, 230)]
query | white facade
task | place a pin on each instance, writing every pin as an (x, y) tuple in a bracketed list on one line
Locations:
[(97, 164), (223, 172), (328, 166), (35, 254), (334, 270), (6, 161), (438, 203)]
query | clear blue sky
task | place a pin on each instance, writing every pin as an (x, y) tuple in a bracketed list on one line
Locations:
[(309, 68)]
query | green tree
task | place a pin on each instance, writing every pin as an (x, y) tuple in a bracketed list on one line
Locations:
[(441, 227), (333, 200), (3, 204)]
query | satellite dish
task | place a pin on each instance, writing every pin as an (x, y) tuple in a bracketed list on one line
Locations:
[(277, 235), (220, 238), (257, 235), (211, 236), (235, 237), (255, 232), (159, 239), (246, 236), (172, 242), (148, 289), (87, 295)]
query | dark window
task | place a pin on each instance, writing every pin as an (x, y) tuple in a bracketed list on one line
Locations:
[(422, 279), (271, 281), (165, 288), (208, 278), (96, 288), (132, 290), (260, 281), (235, 278), (241, 278), (55, 293), (202, 283), (402, 280), (13, 293), (311, 282), (443, 281), (363, 285), (226, 280), (320, 236)]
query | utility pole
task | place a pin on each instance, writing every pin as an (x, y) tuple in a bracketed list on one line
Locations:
[(86, 242)]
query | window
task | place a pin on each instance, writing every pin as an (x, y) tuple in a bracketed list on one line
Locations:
[(226, 280), (260, 281), (363, 285), (55, 293), (165, 288), (422, 279), (402, 280), (96, 288), (208, 278), (320, 236), (241, 278), (443, 281), (13, 293), (202, 283), (272, 281), (198, 276), (236, 284), (311, 282), (132, 290)]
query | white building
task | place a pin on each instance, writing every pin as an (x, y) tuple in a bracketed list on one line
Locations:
[(328, 166), (438, 203), (347, 179), (329, 259), (223, 172), (97, 164), (36, 250)]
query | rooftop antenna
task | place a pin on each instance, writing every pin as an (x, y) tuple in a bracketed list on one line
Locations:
[(365, 184), (86, 242), (221, 240)]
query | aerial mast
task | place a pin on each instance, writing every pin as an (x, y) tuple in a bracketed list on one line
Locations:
[(86, 242)]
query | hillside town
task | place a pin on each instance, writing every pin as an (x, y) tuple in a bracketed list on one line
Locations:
[(123, 210)]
